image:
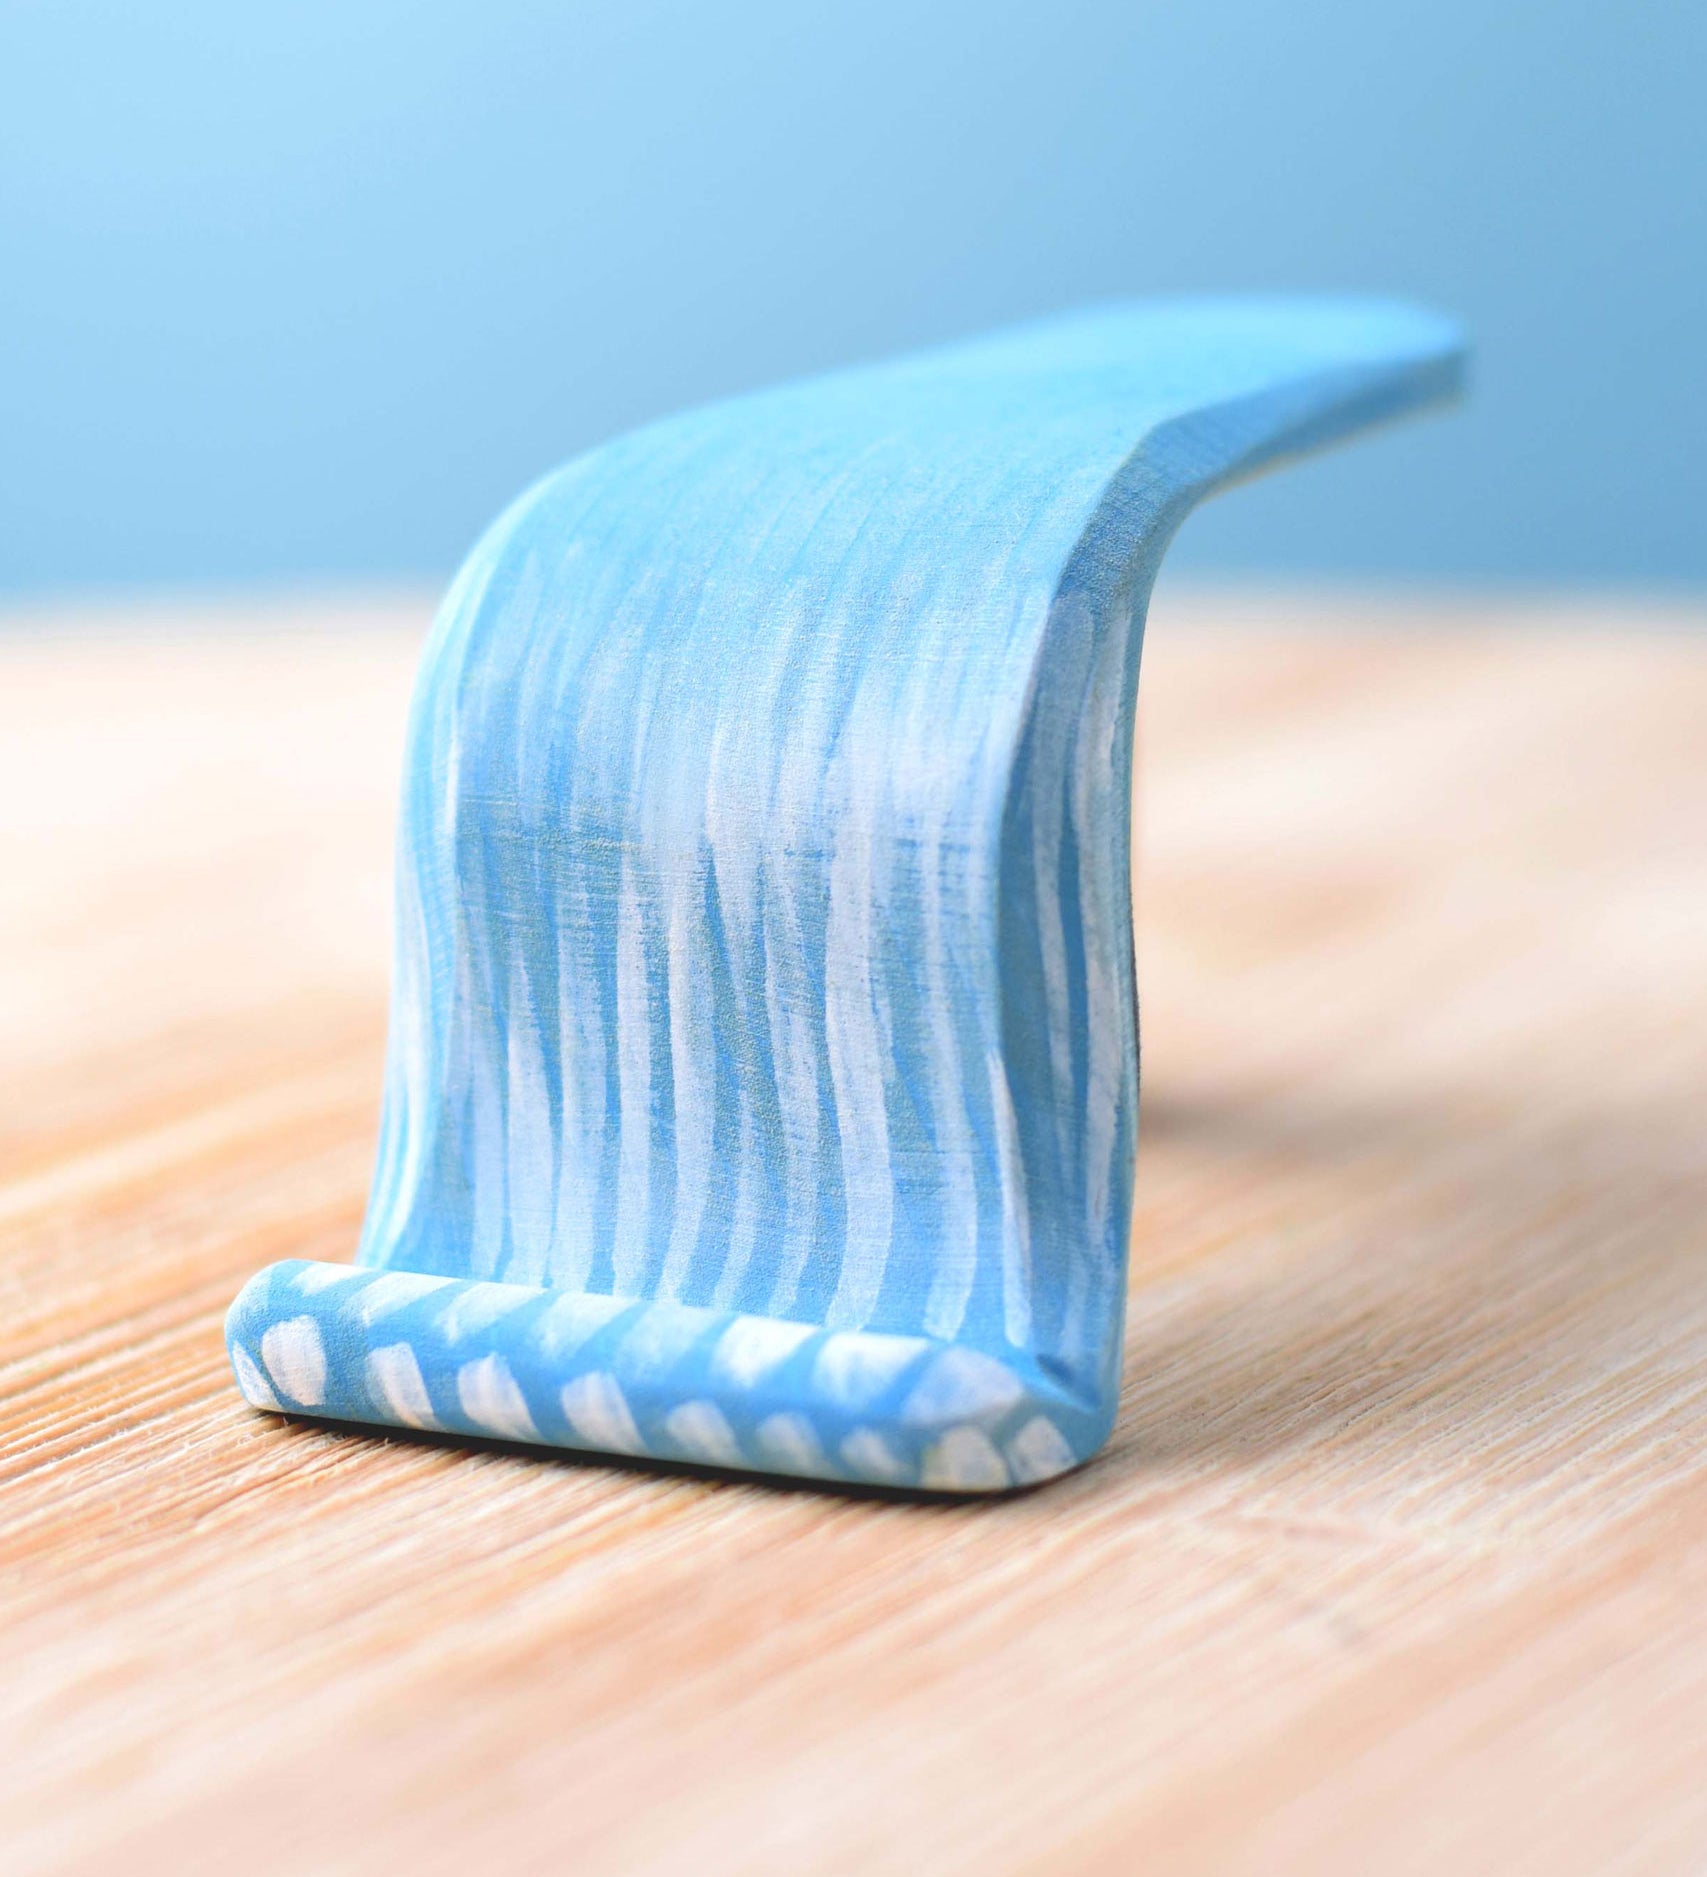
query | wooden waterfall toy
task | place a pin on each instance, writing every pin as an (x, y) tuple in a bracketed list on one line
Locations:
[(762, 1086)]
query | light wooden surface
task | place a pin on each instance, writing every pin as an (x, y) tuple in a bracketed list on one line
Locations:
[(1398, 1561)]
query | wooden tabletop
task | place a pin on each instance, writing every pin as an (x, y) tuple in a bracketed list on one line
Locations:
[(1397, 1561)]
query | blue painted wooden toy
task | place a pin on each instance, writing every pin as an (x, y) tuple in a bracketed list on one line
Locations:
[(762, 1087)]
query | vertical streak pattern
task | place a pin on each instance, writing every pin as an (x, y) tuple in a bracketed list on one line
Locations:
[(764, 949)]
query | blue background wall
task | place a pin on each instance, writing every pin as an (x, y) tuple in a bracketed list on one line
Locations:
[(310, 289)]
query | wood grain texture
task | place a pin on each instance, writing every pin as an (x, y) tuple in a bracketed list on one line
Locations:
[(1397, 1561)]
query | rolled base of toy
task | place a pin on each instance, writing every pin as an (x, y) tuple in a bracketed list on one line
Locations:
[(667, 1381)]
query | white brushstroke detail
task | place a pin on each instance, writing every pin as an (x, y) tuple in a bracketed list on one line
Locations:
[(574, 1319), (1105, 1016), (662, 1336), (956, 1262), (634, 1086), (595, 1406), (476, 1307), (314, 1278), (735, 853), (295, 1358), (869, 1455), (1072, 629), (962, 1385), (794, 1059), (396, 1290), (692, 1072), (991, 774), (529, 1157), (1039, 1451), (855, 1046), (394, 1380), (754, 1347), (252, 1383), (617, 686), (789, 1443), (486, 1125), (581, 1133), (853, 1369), (1016, 1215), (964, 1460), (493, 1401), (702, 1431), (790, 879), (744, 1219)]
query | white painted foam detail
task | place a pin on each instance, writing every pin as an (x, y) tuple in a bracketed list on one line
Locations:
[(476, 1307), (295, 1358), (661, 1336), (394, 1380), (492, 1400), (790, 1444), (594, 1405), (395, 1290), (964, 1461), (1039, 1451), (854, 1368), (962, 1385), (701, 1428), (753, 1347), (251, 1381), (575, 1318), (313, 1278), (871, 1457)]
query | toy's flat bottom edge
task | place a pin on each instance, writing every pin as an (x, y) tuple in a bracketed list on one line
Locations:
[(655, 1379)]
